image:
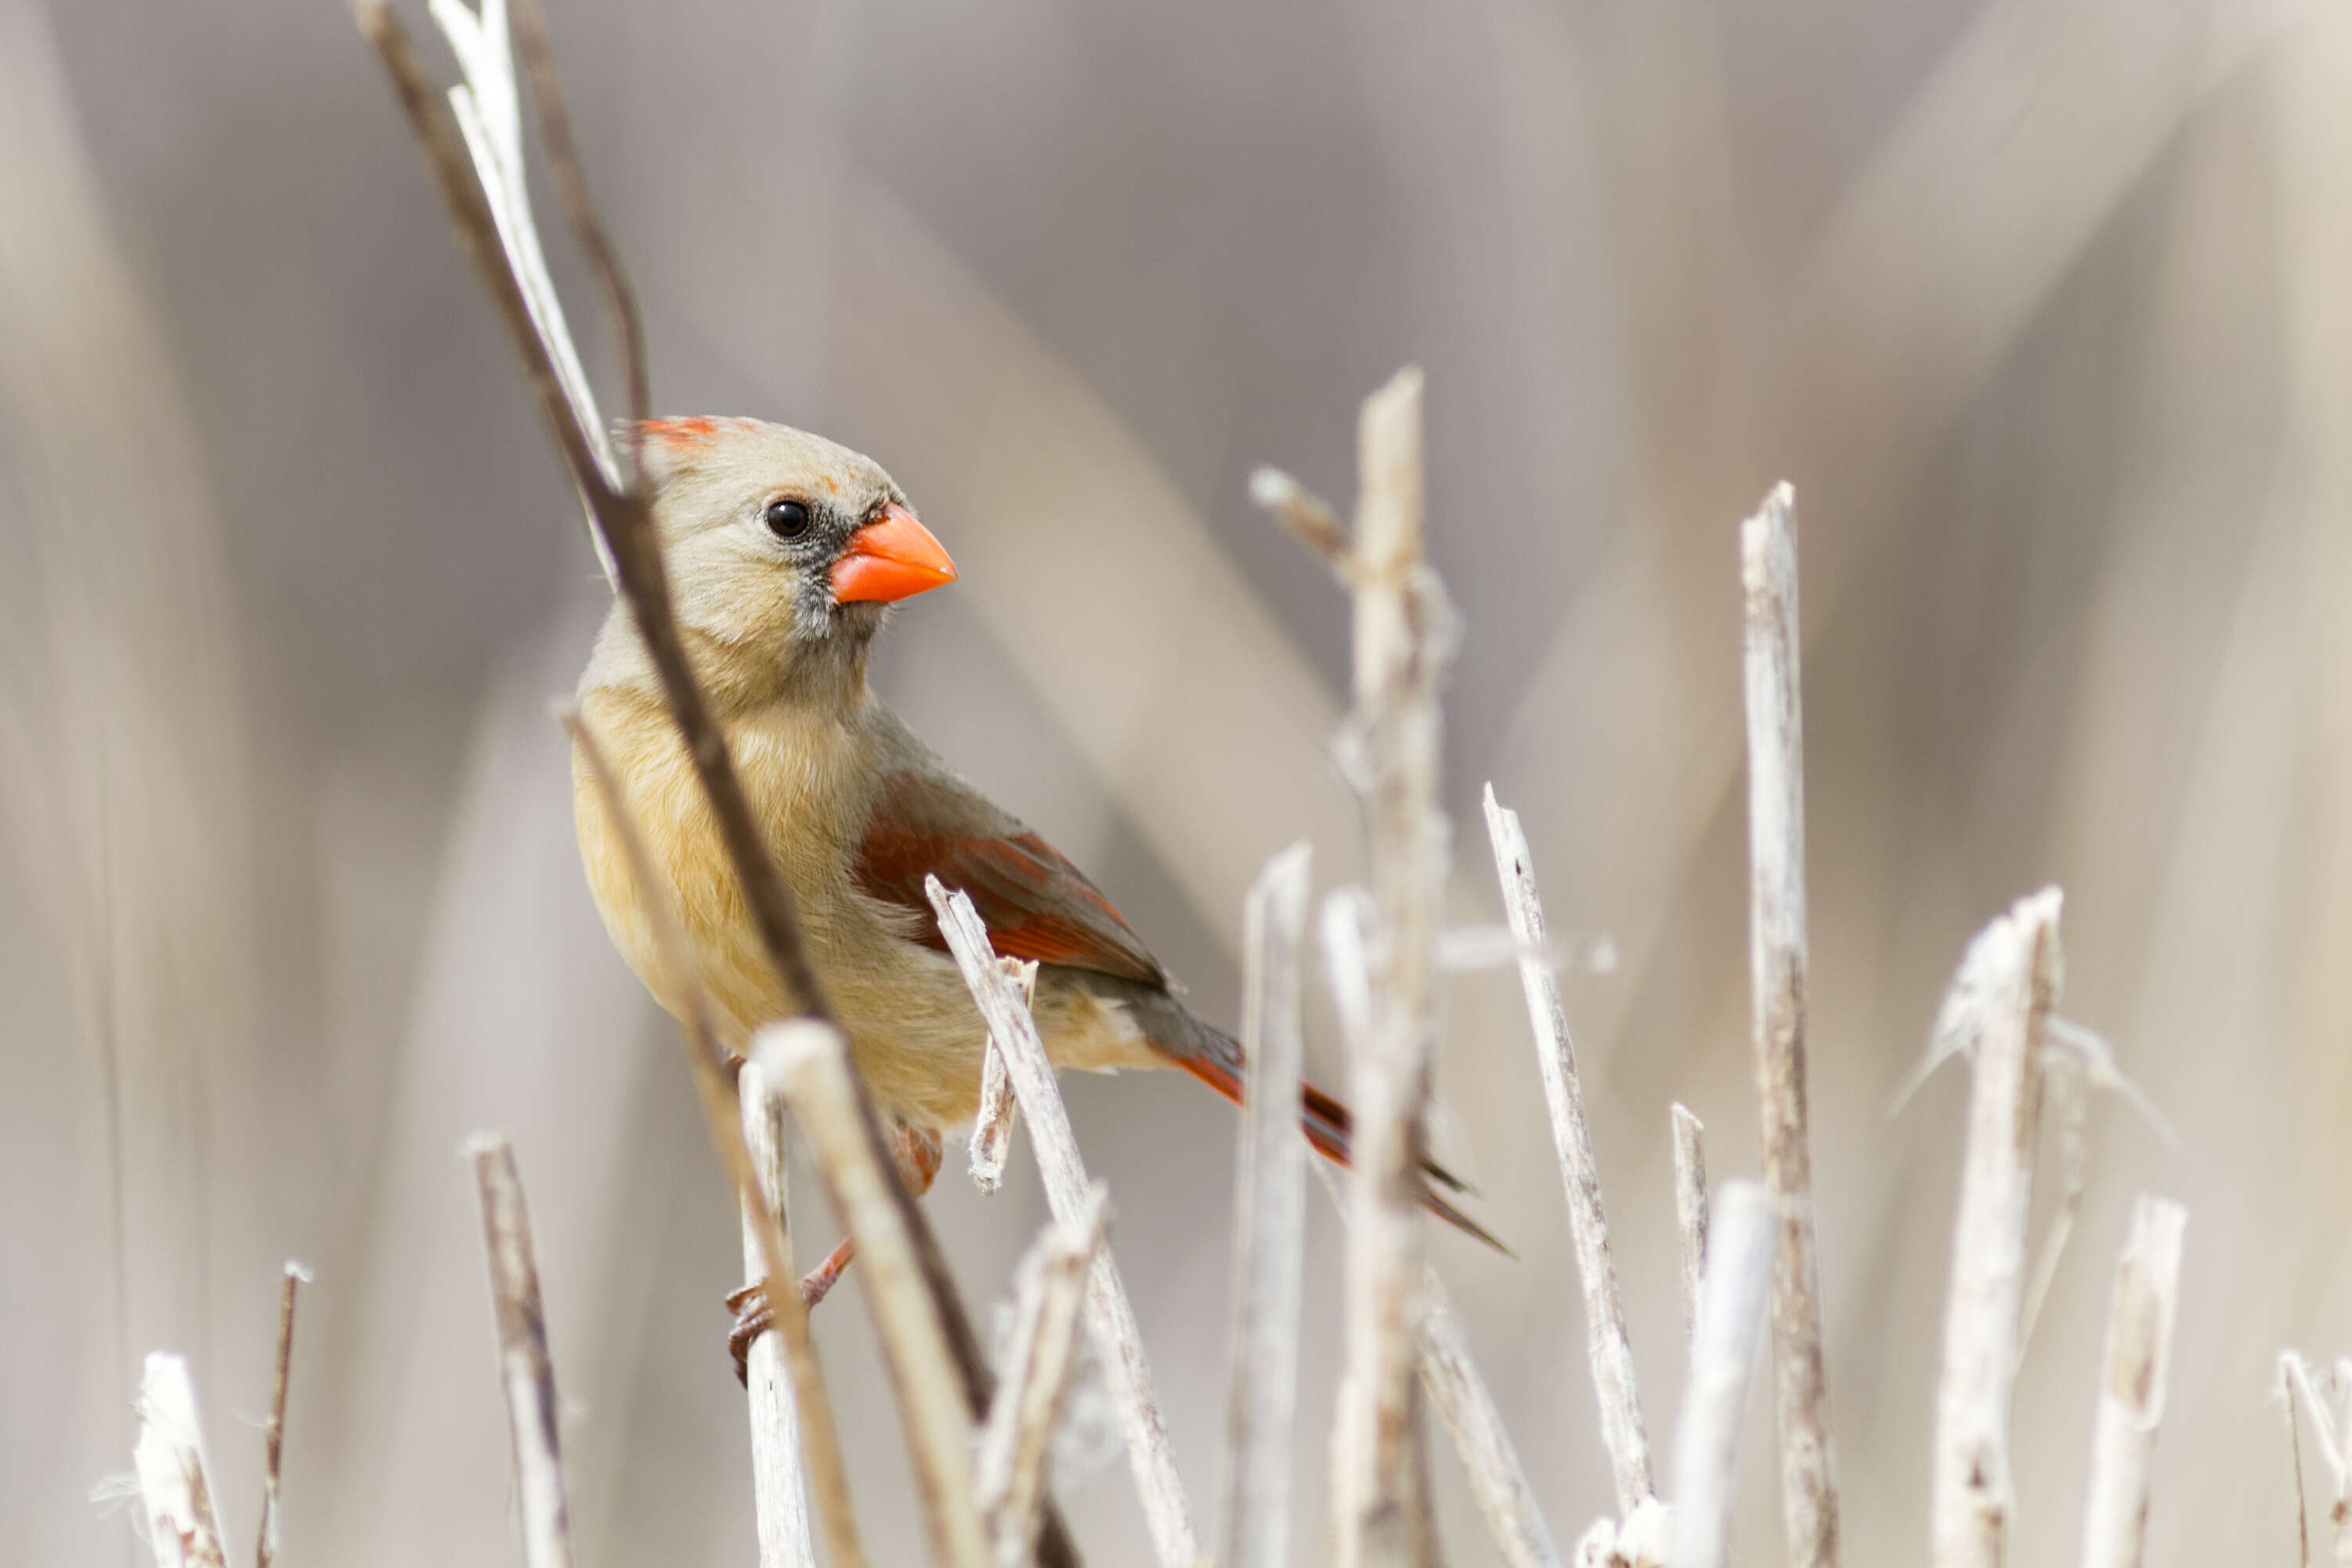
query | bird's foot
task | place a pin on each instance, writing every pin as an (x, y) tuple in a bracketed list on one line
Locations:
[(754, 1316)]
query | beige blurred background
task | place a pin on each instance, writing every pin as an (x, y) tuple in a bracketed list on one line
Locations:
[(2046, 309)]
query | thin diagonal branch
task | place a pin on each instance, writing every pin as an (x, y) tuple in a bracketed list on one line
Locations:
[(525, 1370), (1049, 1293), (273, 1439), (1690, 1208)]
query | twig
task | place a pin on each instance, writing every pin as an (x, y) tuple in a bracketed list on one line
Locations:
[(1308, 516), (1776, 949), (2131, 1392), (1466, 1410), (273, 1439), (810, 1060), (1690, 1208), (1723, 1351), (1606, 1346), (1269, 1221), (175, 1478), (524, 1369), (1110, 1320), (991, 1129), (812, 1402), (1971, 1494), (779, 1493), (1448, 1376), (2289, 1369), (1049, 1292)]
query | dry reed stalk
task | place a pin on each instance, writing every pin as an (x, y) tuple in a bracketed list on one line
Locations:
[(2016, 962), (1606, 1346), (1777, 964), (273, 1437), (624, 527), (1269, 1220), (175, 1478), (1744, 1239), (2135, 1367), (1690, 1209), (779, 1491), (525, 1370), (991, 1129), (1049, 1293), (1110, 1319), (729, 1113), (2289, 1369), (2331, 1431), (809, 1059)]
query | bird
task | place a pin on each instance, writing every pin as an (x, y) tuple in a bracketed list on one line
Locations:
[(786, 552)]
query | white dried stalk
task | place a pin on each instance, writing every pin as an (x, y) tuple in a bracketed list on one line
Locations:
[(273, 1437), (2135, 1367), (1723, 1351), (1110, 1320), (809, 1059), (991, 1130), (1269, 1220), (1049, 1293), (488, 110), (779, 1491), (2290, 1367), (1690, 1209), (2064, 1091), (1607, 1348), (1467, 1411), (175, 1478), (1777, 964), (2331, 1431), (525, 1372), (1970, 1498)]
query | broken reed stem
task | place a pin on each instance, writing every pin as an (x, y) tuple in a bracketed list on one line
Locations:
[(1972, 1496), (1402, 638), (779, 1493), (1466, 1410), (1110, 1319), (726, 1112), (809, 1059), (2289, 1365), (1269, 1220), (174, 1480), (626, 539), (525, 1370), (1606, 1346), (2131, 1390), (1048, 1294), (1777, 963), (991, 1129), (1690, 1209), (1723, 1352), (273, 1437)]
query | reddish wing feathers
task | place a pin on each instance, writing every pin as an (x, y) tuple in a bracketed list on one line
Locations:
[(1036, 904)]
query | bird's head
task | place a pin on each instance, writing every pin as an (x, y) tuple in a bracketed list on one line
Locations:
[(784, 550)]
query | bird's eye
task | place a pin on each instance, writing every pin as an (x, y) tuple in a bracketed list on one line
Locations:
[(787, 519)]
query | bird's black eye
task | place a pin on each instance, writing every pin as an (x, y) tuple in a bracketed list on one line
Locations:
[(787, 519)]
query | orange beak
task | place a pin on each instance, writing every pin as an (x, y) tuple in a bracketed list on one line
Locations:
[(892, 558)]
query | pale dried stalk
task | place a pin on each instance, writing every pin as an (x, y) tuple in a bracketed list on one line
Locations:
[(1110, 1320), (1776, 949), (1403, 636), (2131, 1390), (525, 1372), (2297, 1378), (991, 1129), (2063, 1090), (2289, 1364), (175, 1478), (1690, 1209), (779, 1492), (810, 1060), (273, 1437), (1448, 1376), (1972, 1496), (812, 1402), (1606, 1346), (1723, 1351), (1467, 1411), (1049, 1293), (1269, 1220)]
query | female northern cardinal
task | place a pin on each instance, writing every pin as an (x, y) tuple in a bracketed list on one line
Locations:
[(785, 552)]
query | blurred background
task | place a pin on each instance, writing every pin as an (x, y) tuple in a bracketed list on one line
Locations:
[(2045, 308)]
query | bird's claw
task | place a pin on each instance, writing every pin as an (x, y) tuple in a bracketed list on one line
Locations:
[(754, 1317)]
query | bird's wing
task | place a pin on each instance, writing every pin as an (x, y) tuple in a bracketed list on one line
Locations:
[(1038, 905)]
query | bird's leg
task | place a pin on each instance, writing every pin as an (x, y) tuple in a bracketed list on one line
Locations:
[(917, 1153)]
